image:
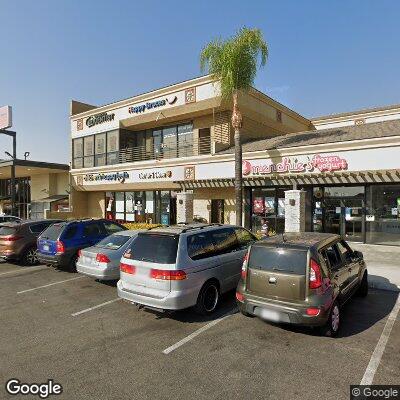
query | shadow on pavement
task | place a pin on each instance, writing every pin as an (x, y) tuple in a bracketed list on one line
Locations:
[(380, 282)]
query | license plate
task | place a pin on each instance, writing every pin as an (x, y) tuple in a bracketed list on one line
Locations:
[(270, 315), (46, 247)]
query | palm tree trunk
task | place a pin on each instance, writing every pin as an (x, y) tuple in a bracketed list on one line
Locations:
[(237, 125)]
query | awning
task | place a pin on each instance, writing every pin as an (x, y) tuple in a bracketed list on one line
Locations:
[(51, 199), (327, 178)]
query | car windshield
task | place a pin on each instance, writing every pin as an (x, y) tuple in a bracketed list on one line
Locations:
[(53, 231), (291, 261), (7, 230), (113, 242), (155, 248)]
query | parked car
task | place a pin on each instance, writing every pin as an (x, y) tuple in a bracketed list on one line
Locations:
[(177, 267), (9, 218), (101, 261), (18, 240), (59, 244), (301, 279)]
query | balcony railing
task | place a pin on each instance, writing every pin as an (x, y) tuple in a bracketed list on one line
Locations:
[(188, 148)]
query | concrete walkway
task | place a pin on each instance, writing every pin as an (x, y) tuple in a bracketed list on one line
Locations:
[(383, 264)]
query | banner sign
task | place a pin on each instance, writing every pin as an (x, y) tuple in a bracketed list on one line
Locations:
[(5, 117)]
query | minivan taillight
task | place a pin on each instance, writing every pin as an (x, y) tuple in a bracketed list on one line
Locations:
[(102, 258), (60, 248), (244, 266), (167, 275), (128, 269), (315, 275)]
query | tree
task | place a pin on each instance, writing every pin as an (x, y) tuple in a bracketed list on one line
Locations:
[(234, 62)]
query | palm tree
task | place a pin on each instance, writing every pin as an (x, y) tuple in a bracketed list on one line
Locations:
[(234, 63)]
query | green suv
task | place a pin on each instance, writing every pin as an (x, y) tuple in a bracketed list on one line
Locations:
[(301, 279)]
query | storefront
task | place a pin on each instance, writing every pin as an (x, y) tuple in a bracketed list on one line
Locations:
[(39, 187)]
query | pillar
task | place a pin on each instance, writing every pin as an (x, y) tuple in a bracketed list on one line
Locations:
[(184, 207), (295, 211)]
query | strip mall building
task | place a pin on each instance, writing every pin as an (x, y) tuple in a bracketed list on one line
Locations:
[(131, 158)]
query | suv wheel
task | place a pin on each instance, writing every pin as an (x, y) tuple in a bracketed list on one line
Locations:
[(30, 257), (363, 288), (208, 298), (331, 328)]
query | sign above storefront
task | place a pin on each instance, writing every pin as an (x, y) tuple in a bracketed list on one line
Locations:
[(99, 119), (321, 163), (152, 104)]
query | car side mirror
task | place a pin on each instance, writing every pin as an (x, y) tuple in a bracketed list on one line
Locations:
[(358, 255)]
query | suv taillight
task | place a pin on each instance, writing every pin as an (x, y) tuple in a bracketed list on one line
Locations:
[(128, 269), (315, 275), (167, 275), (60, 248), (244, 265), (102, 258)]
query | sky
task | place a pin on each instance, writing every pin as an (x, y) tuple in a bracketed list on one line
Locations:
[(324, 56)]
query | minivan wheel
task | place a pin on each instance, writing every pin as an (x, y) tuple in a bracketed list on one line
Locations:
[(30, 257), (362, 290), (332, 326), (208, 298)]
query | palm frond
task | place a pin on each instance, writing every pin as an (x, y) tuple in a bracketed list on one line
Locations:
[(234, 62)]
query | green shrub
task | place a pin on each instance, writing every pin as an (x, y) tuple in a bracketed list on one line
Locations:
[(133, 226)]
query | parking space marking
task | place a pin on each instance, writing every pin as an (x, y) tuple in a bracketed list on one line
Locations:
[(24, 270), (380, 347), (50, 284), (198, 332), (94, 307)]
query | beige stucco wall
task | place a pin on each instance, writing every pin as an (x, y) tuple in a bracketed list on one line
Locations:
[(45, 185), (202, 203), (96, 204)]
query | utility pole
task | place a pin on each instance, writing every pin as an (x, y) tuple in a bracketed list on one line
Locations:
[(14, 157)]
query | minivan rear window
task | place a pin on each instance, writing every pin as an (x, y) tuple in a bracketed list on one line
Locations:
[(53, 232), (7, 230), (155, 248), (286, 260)]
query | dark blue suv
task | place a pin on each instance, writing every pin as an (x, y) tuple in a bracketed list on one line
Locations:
[(60, 243)]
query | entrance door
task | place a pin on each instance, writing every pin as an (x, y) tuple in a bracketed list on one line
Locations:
[(217, 211), (344, 216)]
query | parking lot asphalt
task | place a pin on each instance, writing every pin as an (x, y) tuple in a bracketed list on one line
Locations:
[(73, 329)]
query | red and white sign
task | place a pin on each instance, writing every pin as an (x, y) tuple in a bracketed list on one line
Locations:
[(318, 162), (5, 117)]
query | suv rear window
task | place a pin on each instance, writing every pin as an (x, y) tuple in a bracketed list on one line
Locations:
[(155, 248), (7, 230), (290, 261), (53, 231)]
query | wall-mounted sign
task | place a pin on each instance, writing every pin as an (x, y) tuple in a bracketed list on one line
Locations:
[(117, 177), (99, 119), (318, 162), (154, 175), (151, 104), (5, 117)]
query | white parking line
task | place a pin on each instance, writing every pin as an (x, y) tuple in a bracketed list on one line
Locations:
[(50, 284), (198, 332), (23, 270), (380, 347), (94, 307)]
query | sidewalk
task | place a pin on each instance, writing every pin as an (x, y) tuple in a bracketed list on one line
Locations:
[(383, 263)]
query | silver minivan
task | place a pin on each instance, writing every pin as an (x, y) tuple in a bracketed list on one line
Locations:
[(177, 267)]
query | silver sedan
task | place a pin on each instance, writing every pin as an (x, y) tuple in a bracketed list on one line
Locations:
[(101, 261)]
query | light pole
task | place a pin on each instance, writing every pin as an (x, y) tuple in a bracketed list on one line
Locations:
[(14, 157)]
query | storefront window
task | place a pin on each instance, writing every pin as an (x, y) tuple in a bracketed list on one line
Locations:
[(112, 147), (100, 149), (264, 211), (78, 153), (382, 214), (169, 142), (120, 206), (88, 151), (185, 140)]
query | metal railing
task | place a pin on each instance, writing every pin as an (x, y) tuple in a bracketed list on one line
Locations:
[(187, 148)]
